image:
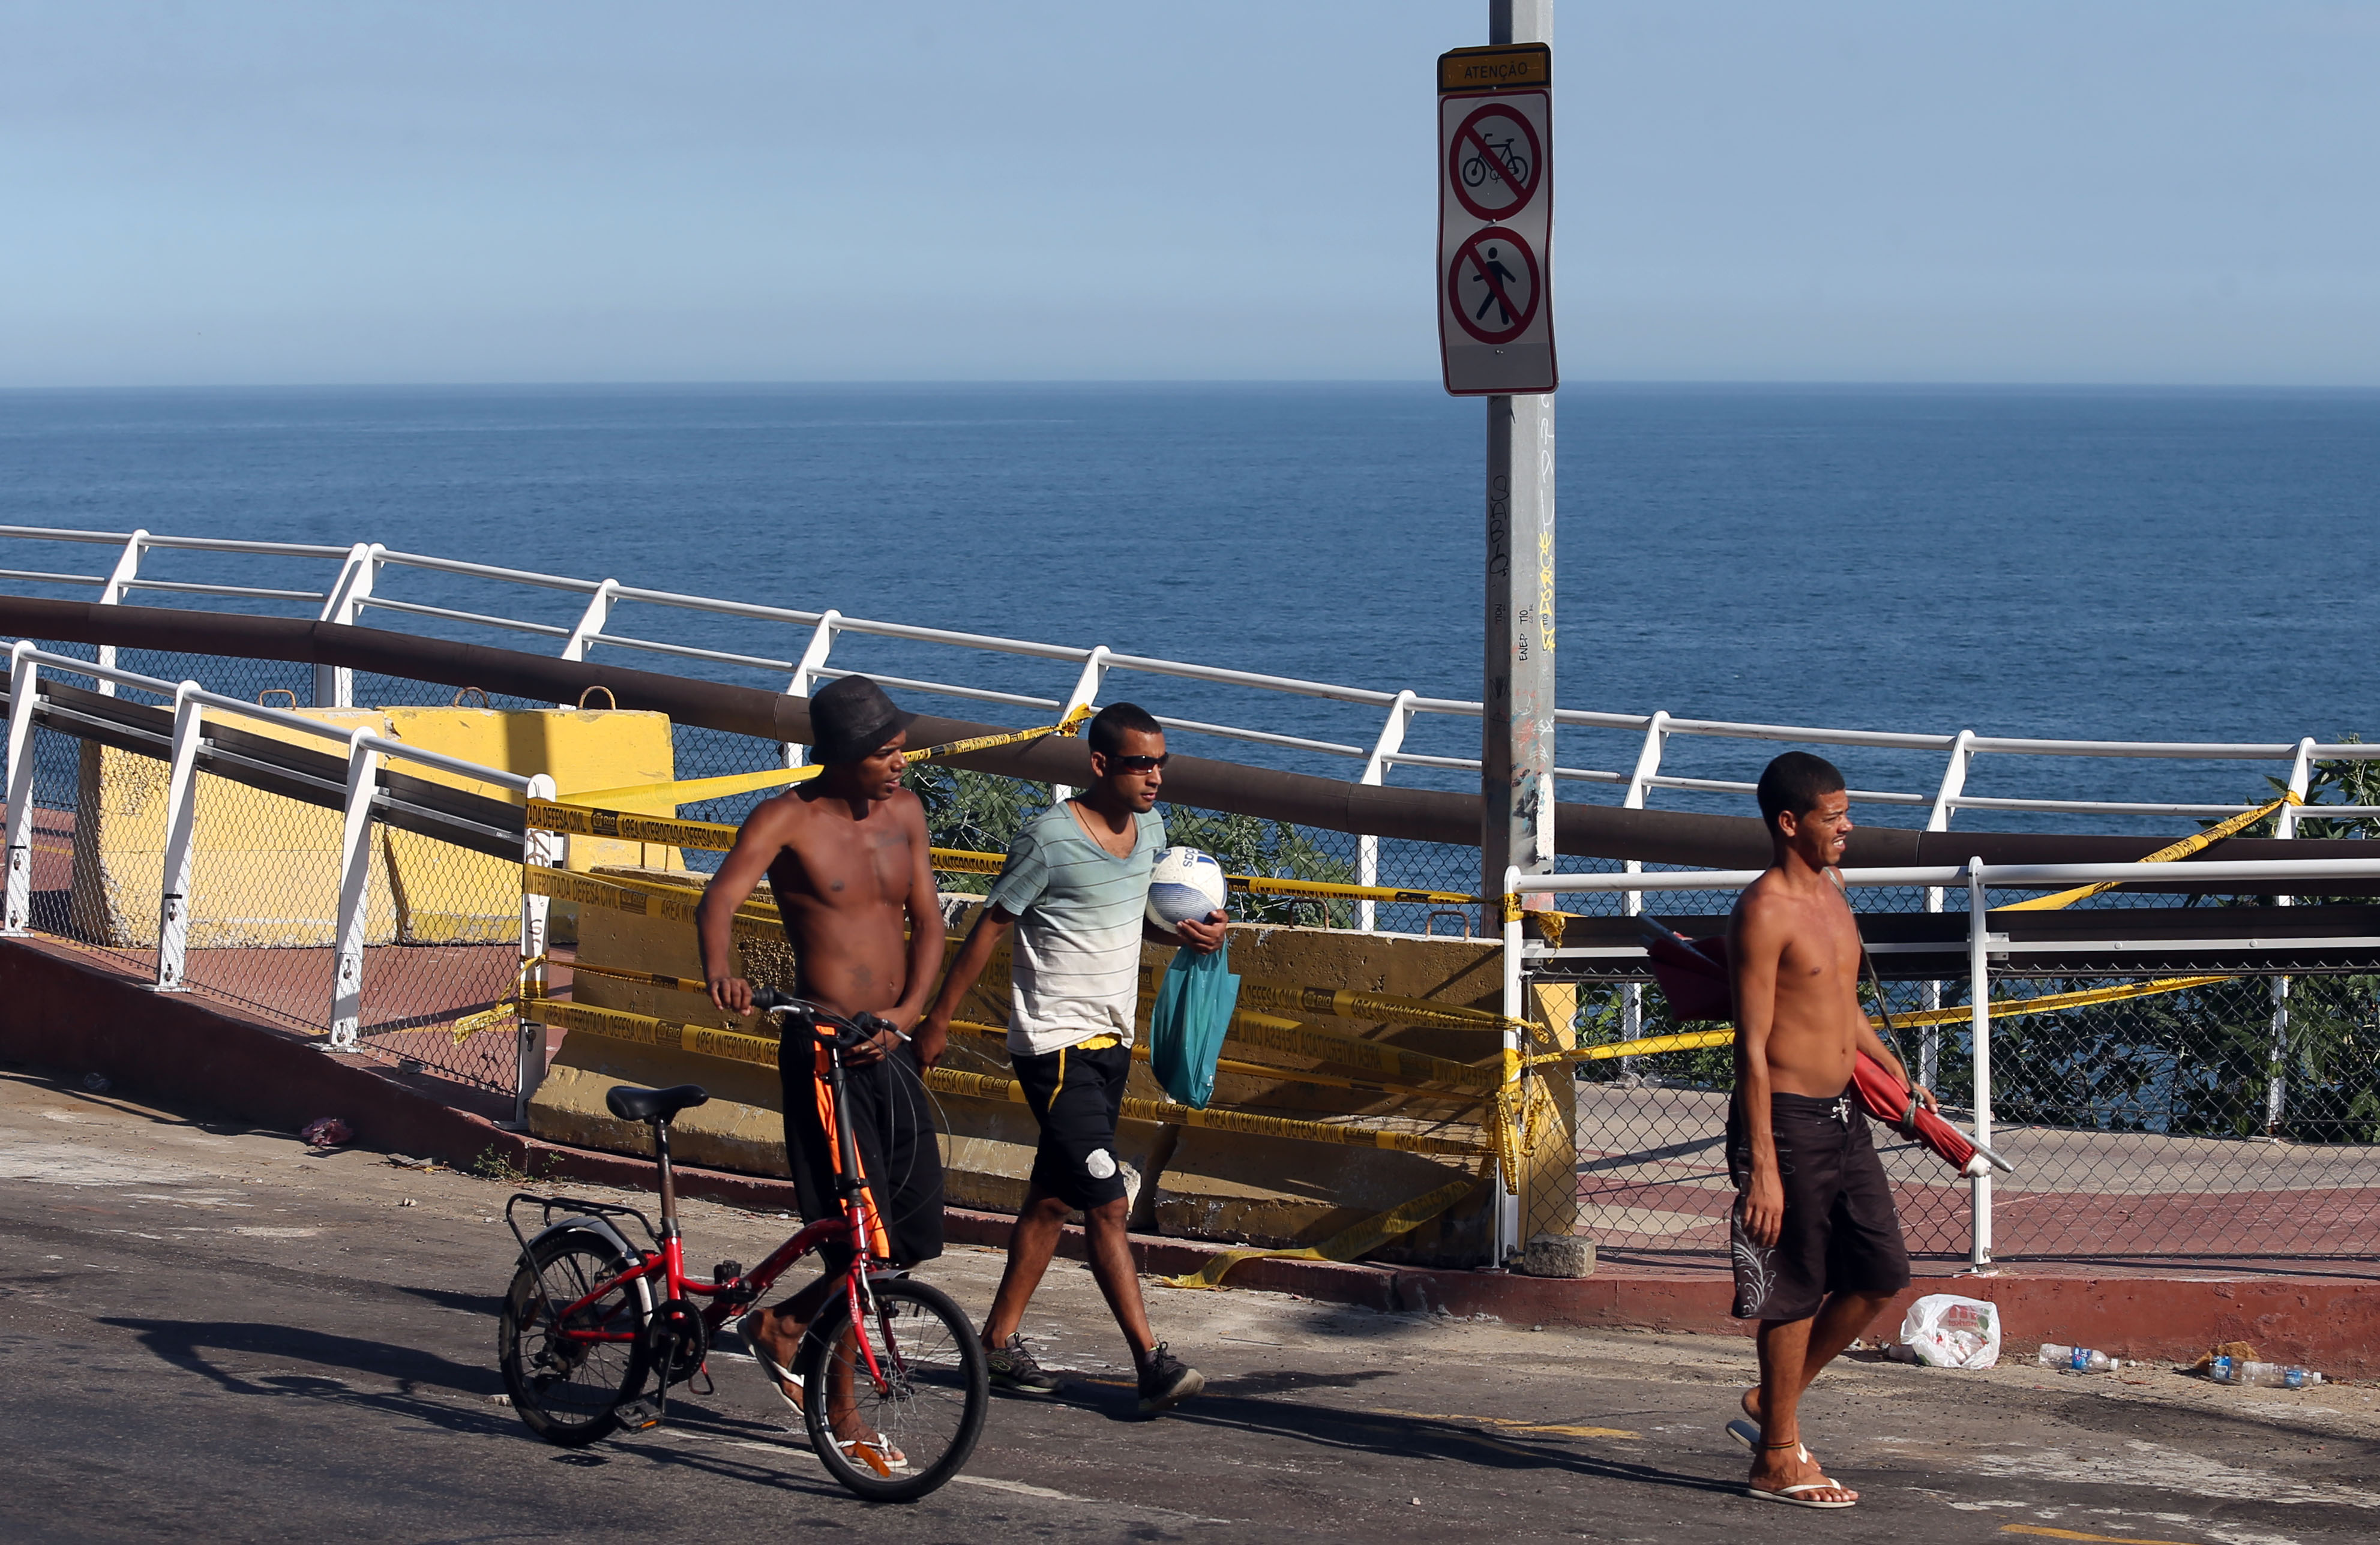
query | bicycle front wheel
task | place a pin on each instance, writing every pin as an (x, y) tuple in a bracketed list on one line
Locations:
[(899, 1429), (568, 1370)]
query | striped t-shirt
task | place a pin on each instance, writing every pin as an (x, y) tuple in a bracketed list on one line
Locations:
[(1076, 963)]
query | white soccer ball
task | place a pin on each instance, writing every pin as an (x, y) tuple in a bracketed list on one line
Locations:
[(1184, 884)]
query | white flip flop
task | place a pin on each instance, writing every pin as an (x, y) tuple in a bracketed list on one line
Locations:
[(778, 1377), (1785, 1494)]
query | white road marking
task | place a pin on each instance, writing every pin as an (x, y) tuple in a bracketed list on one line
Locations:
[(67, 1164), (2172, 1469)]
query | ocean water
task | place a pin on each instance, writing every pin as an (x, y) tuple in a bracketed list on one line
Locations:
[(2103, 564)]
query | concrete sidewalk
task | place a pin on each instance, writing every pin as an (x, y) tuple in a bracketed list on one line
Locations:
[(66, 1015)]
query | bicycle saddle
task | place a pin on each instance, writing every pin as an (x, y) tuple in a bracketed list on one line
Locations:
[(631, 1103)]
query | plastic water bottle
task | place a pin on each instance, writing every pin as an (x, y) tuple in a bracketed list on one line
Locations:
[(2077, 1359), (2271, 1375)]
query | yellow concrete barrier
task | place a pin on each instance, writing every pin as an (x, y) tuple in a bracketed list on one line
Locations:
[(264, 869)]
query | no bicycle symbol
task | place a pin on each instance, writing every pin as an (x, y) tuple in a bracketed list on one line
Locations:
[(1494, 163), (1493, 285)]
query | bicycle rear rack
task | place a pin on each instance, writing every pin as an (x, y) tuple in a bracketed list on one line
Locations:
[(568, 1206)]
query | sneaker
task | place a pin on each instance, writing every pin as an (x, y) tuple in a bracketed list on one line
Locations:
[(1166, 1382), (1013, 1369)]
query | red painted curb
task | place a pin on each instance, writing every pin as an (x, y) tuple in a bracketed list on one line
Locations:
[(63, 1012)]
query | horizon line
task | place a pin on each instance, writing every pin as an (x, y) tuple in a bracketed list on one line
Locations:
[(947, 383)]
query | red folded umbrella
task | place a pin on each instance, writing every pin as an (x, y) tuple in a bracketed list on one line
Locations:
[(1692, 974)]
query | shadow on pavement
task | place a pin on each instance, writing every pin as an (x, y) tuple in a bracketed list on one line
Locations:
[(1246, 1404), (212, 1347)]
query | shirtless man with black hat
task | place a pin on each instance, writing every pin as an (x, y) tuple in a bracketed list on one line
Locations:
[(846, 857), (1817, 1246)]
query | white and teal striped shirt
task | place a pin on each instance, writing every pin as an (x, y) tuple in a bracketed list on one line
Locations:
[(1076, 963)]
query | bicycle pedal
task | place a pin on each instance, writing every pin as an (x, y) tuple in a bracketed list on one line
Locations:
[(639, 1413)]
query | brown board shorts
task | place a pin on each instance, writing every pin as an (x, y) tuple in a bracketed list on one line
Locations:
[(1840, 1233)]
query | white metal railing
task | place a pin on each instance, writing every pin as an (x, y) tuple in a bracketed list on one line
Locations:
[(1976, 878), (356, 590), (193, 707)]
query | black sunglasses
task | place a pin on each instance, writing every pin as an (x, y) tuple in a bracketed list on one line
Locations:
[(1139, 764)]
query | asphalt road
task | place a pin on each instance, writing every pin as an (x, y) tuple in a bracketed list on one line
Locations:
[(215, 1333)]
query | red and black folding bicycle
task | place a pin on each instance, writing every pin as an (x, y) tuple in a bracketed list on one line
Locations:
[(596, 1329)]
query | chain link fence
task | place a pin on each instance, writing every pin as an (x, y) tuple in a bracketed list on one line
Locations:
[(2235, 1119), (441, 923)]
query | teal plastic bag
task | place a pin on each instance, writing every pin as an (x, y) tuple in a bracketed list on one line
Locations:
[(1186, 1027)]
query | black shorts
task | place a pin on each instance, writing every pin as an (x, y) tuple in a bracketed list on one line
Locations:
[(899, 1154), (1077, 1096), (1840, 1233)]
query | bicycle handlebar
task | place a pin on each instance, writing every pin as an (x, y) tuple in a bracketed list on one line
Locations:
[(827, 1027)]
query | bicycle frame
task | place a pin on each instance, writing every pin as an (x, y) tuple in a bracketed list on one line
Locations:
[(667, 1263)]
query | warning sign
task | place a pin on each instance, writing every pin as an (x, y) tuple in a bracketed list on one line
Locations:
[(1497, 161), (1495, 220), (1493, 285)]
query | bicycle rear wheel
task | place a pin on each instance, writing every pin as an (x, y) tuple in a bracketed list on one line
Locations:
[(925, 1400), (565, 1385)]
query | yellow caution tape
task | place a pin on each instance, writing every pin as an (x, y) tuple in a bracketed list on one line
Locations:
[(1346, 1004), (1249, 1069), (985, 1086), (643, 978), (1067, 726), (642, 898), (1365, 1236), (463, 1028), (696, 790), (1265, 884), (1643, 1045), (2182, 849), (2049, 1003), (1352, 1051), (1252, 1027), (1999, 1009), (703, 1040), (614, 1024), (958, 861), (708, 837)]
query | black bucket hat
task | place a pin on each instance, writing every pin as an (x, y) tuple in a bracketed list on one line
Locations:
[(852, 718)]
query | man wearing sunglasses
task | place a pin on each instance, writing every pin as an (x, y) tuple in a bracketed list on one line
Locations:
[(1073, 895)]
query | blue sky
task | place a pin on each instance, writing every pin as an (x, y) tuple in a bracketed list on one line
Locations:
[(2094, 190)]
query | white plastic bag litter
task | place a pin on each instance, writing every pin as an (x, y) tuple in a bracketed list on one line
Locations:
[(1947, 1330)]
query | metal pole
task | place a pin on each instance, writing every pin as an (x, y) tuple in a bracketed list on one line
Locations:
[(1517, 725), (538, 850), (1631, 902), (354, 894), (1979, 1023), (806, 671), (119, 580), (1376, 769), (24, 702), (1516, 722), (1507, 1188), (1086, 692), (2285, 825), (335, 685), (1954, 783), (181, 834)]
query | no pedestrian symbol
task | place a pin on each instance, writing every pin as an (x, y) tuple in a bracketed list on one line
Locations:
[(1495, 220), (1493, 285)]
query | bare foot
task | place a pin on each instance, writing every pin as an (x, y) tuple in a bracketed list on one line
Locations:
[(1774, 1469)]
